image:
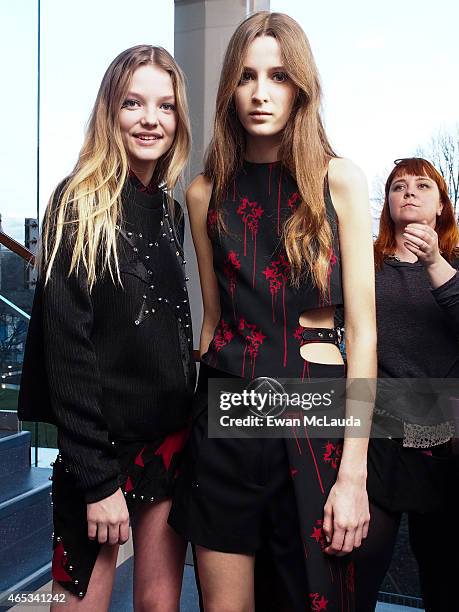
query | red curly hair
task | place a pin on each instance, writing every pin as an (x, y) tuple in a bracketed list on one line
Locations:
[(446, 226)]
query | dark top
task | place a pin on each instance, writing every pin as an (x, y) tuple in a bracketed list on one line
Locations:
[(418, 331), (114, 363), (418, 328), (258, 332)]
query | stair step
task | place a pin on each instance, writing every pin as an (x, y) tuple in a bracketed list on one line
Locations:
[(25, 525), (31, 583), (9, 420), (14, 452)]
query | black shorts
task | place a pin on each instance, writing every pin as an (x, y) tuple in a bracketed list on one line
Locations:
[(227, 489), (147, 475), (237, 496)]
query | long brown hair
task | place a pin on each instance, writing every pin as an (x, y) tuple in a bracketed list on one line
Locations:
[(305, 150), (90, 199), (446, 226)]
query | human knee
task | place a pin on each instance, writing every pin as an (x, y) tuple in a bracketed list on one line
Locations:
[(217, 605), (150, 601)]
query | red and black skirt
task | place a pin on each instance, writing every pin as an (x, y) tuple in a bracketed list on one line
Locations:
[(147, 475)]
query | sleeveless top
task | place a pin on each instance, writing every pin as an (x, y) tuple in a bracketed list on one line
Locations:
[(258, 333)]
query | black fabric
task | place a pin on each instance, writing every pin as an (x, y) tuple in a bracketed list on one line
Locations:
[(147, 475), (417, 327), (409, 479), (107, 374), (433, 540), (372, 559), (258, 333), (265, 497), (417, 338)]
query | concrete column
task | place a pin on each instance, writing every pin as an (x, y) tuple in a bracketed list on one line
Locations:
[(202, 31)]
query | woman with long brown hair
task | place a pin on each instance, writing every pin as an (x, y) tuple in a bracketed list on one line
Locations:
[(109, 350), (274, 218), (417, 303)]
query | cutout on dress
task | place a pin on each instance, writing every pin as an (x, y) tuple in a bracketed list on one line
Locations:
[(321, 353)]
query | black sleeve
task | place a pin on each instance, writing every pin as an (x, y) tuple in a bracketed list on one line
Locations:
[(74, 379), (447, 296)]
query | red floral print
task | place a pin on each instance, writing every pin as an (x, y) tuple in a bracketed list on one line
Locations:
[(223, 335), (298, 335), (293, 201), (278, 273), (318, 602), (318, 534), (250, 213), (253, 339), (332, 454), (231, 266)]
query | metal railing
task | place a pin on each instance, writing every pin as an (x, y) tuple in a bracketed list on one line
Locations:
[(18, 248)]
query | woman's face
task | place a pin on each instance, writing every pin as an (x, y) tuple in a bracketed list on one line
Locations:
[(414, 199), (148, 119), (265, 94)]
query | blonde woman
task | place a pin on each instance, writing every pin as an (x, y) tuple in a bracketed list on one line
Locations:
[(109, 350), (282, 232)]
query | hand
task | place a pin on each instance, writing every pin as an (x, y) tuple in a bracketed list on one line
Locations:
[(108, 519), (346, 516), (422, 240)]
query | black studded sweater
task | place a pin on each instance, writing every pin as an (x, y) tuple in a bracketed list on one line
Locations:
[(114, 363)]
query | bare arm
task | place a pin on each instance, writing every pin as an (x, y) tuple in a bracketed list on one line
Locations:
[(349, 193), (197, 199)]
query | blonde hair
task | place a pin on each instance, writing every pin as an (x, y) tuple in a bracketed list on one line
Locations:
[(90, 199), (305, 150)]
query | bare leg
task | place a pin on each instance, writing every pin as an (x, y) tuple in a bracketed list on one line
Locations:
[(159, 557), (100, 585), (226, 581)]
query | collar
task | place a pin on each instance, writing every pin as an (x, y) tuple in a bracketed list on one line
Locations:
[(151, 188)]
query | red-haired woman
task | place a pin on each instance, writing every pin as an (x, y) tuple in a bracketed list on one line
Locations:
[(417, 302), (274, 220)]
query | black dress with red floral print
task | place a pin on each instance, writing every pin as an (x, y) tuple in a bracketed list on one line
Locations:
[(259, 332)]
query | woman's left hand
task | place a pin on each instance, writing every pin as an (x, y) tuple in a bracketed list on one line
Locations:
[(422, 240), (346, 516)]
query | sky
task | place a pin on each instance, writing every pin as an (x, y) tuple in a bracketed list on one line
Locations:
[(388, 72), (79, 39)]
